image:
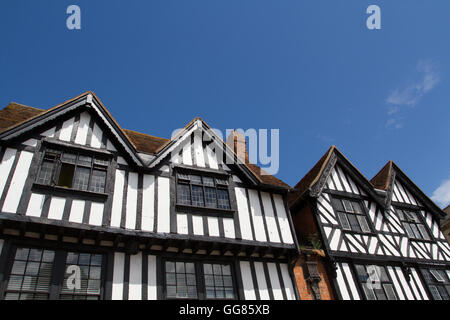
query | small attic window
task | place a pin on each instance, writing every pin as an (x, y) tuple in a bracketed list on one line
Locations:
[(73, 170)]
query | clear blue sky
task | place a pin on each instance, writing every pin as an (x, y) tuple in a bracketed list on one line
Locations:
[(310, 68)]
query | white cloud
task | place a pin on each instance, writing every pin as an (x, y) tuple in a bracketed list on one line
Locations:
[(410, 95), (442, 194)]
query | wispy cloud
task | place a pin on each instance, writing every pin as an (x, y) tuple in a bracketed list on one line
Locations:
[(411, 94), (442, 194)]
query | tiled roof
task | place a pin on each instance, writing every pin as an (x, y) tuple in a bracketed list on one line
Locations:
[(311, 177), (381, 179)]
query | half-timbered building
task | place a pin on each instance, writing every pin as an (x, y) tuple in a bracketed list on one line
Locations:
[(89, 210), (381, 237)]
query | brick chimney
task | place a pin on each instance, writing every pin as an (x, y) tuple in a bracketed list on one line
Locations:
[(236, 141)]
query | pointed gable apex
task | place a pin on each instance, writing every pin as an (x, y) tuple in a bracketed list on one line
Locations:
[(86, 100), (391, 175), (314, 181)]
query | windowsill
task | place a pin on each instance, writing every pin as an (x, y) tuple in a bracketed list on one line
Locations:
[(359, 232), (190, 208), (64, 192)]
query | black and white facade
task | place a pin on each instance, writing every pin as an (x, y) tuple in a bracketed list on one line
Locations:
[(381, 243), (85, 215)]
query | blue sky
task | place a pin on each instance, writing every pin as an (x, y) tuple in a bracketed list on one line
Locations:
[(310, 68)]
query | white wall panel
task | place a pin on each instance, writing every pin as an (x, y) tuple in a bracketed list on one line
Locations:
[(258, 222), (66, 130), (35, 205), (261, 279), (163, 205), (148, 203), (270, 217), (243, 212), (274, 281), (135, 280), (151, 278), (285, 228), (130, 221), (56, 208), (96, 214), (17, 182), (247, 282), (76, 211), (118, 276), (213, 226), (83, 128), (116, 211)]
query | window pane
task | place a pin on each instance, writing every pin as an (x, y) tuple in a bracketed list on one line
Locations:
[(69, 157), (416, 231), (408, 230), (423, 232), (197, 196), (98, 181), (183, 176), (437, 275), (354, 222), (357, 207), (101, 162), (183, 194), (223, 199), (84, 161), (400, 214), (344, 221), (210, 197), (337, 204), (45, 175), (363, 223), (347, 206), (196, 179), (81, 179), (435, 293), (379, 292), (208, 181), (370, 295)]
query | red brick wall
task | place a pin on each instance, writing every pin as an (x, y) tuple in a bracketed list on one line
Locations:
[(304, 289)]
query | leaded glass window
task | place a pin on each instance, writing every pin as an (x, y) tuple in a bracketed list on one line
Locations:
[(73, 170), (351, 215), (413, 224), (202, 191)]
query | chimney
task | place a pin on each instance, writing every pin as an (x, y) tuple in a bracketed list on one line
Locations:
[(236, 141)]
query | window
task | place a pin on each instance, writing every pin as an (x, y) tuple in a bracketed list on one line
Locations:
[(73, 170), (375, 282), (34, 270), (202, 191), (180, 280), (82, 277), (31, 274), (218, 281), (438, 282), (413, 225), (351, 215), (183, 282)]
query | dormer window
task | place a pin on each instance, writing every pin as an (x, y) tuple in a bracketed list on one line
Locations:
[(413, 225), (351, 215), (203, 191), (73, 170)]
